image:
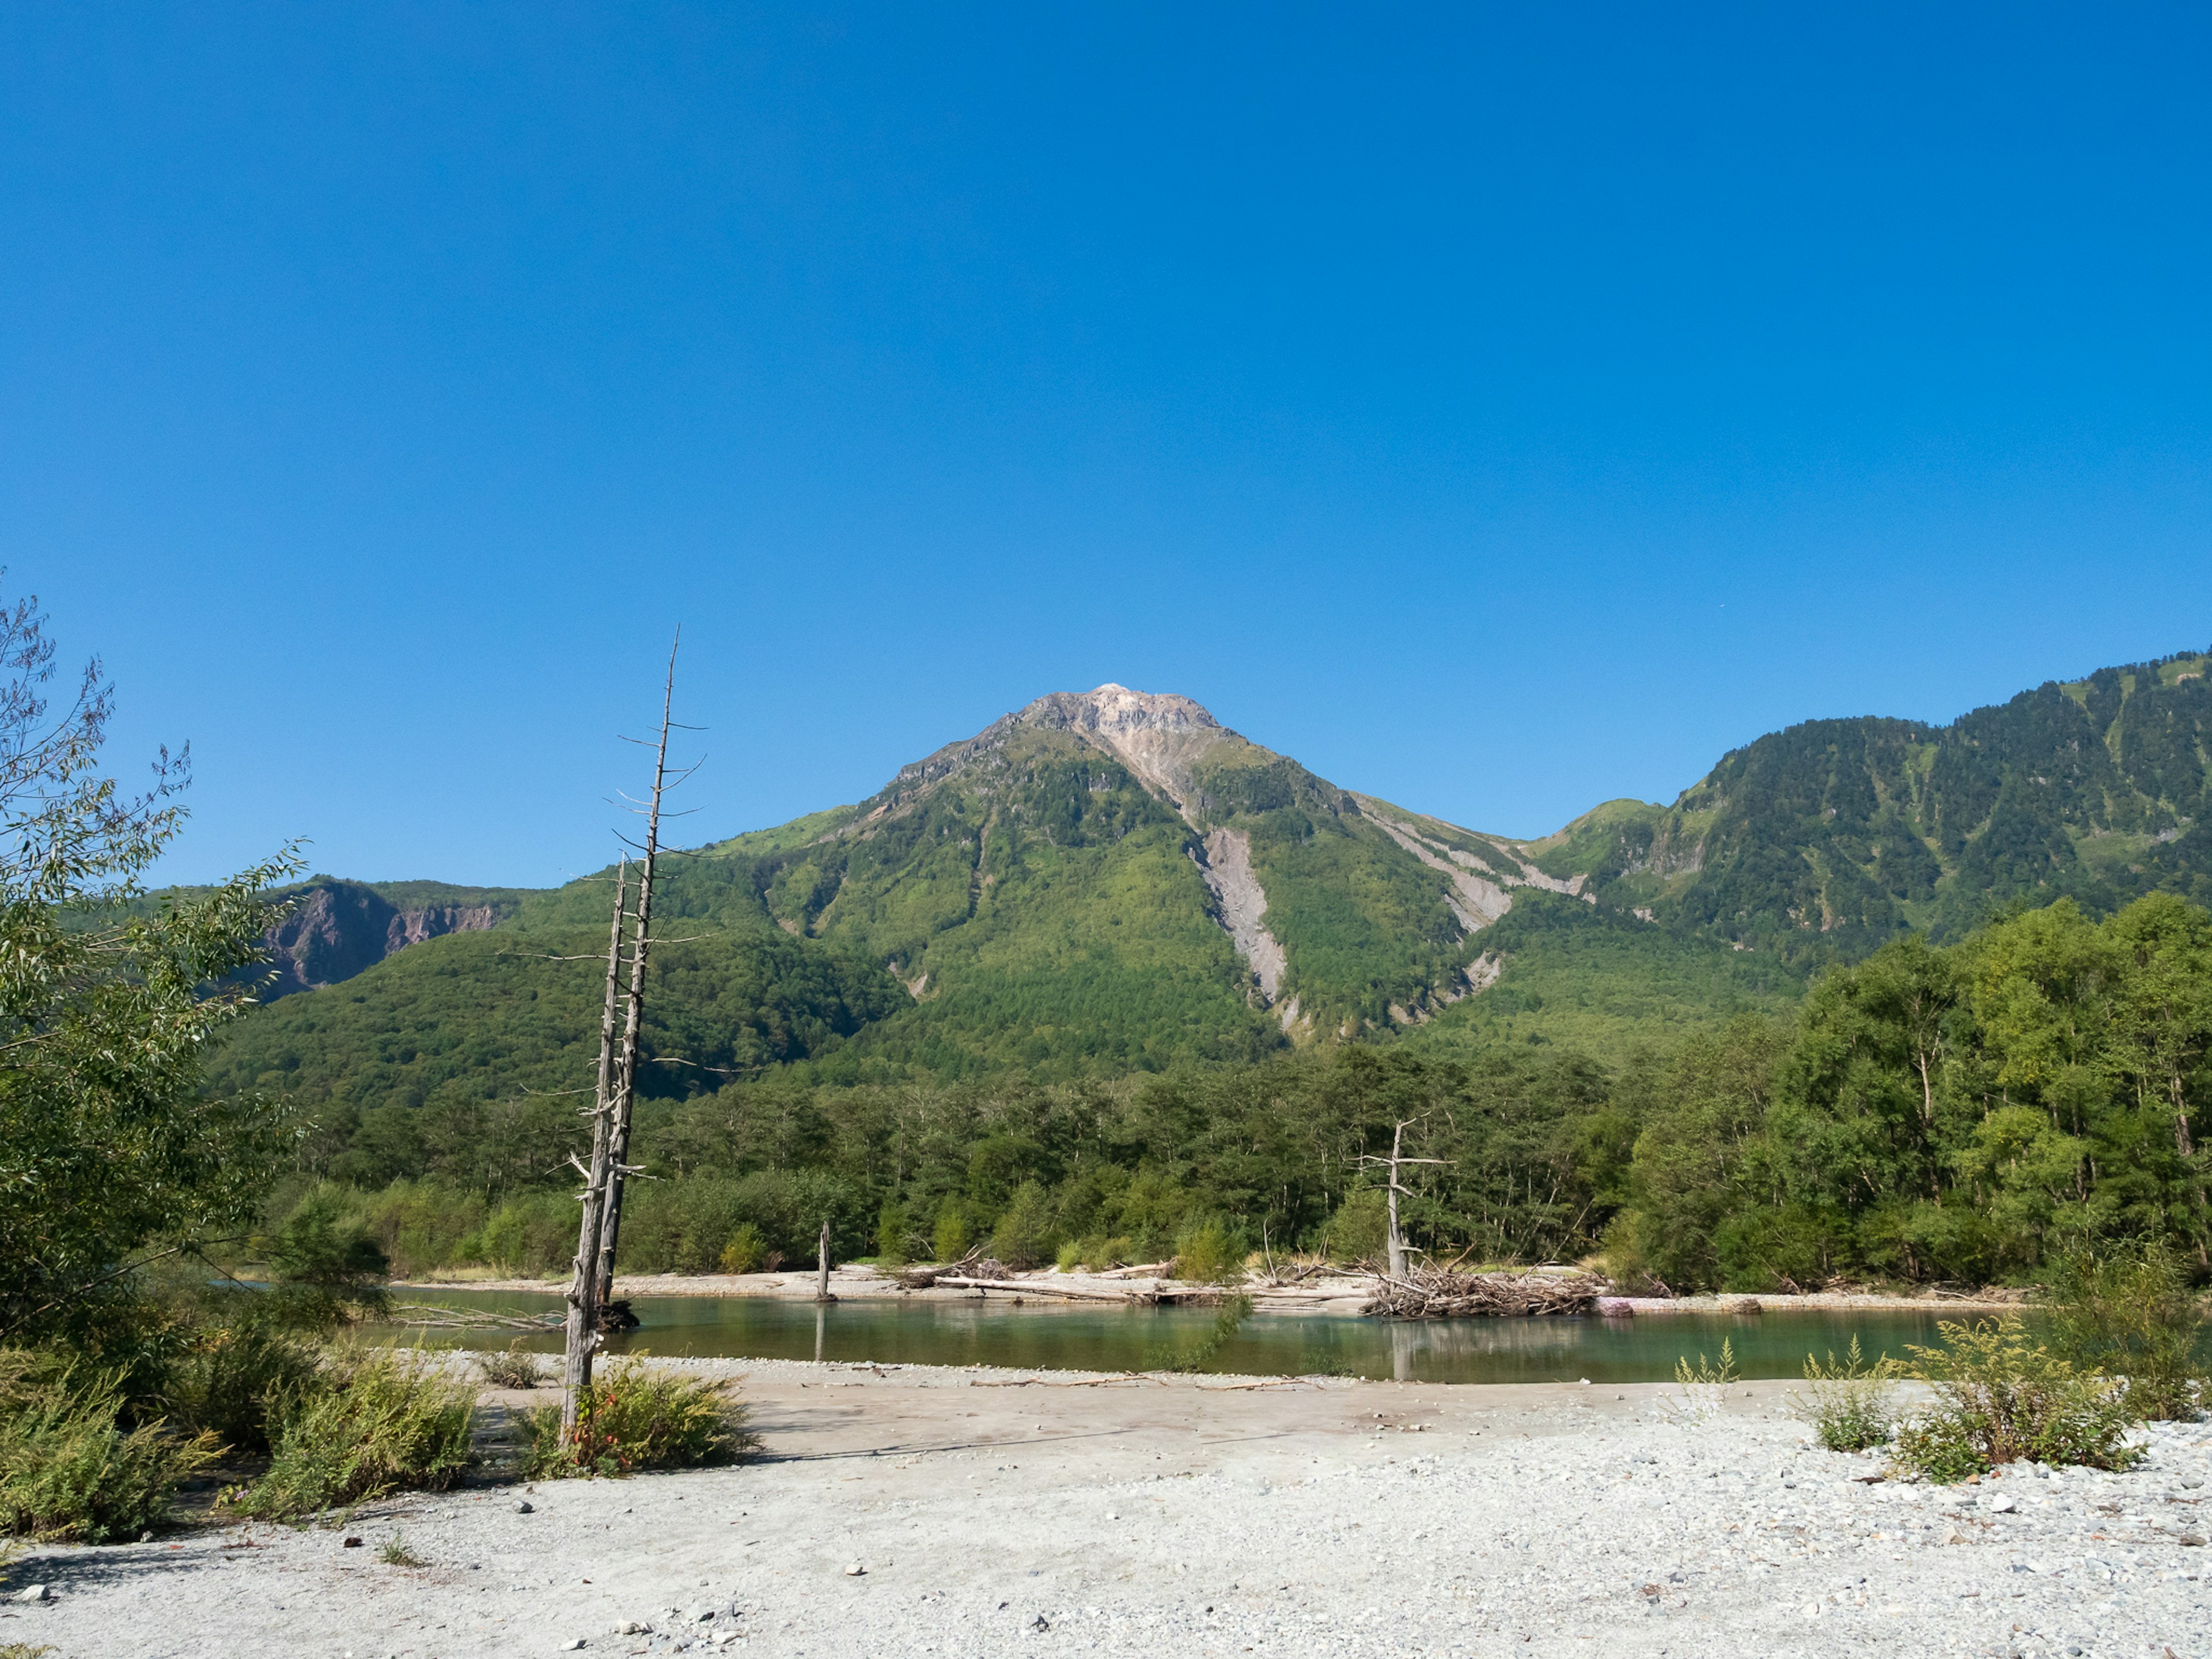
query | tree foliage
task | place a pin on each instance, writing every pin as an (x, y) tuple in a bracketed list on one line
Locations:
[(105, 1142)]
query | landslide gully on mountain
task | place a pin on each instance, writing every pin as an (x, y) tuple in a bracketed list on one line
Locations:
[(1113, 880)]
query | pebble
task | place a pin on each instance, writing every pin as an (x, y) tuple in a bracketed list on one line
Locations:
[(35, 1593)]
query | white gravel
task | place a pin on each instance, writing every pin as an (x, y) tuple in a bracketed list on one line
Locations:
[(1197, 1516)]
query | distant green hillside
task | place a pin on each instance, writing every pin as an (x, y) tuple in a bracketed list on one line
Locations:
[(1827, 839), (1112, 881)]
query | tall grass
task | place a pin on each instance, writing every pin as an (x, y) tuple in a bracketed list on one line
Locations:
[(1851, 1403), (633, 1418), (2133, 1316), (70, 1469), (2002, 1398), (373, 1423)]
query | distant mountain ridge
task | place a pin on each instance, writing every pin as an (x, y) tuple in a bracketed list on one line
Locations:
[(335, 929), (1113, 880), (1827, 838)]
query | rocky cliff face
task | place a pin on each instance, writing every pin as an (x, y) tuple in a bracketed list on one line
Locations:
[(337, 929)]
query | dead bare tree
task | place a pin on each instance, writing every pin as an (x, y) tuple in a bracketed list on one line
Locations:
[(1397, 1157), (600, 1227), (619, 1170)]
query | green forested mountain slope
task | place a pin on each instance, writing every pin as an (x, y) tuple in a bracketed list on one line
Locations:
[(1826, 840), (1112, 881)]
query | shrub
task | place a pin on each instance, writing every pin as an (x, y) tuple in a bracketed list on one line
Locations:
[(890, 1237), (327, 1267), (953, 1235), (2133, 1316), (1071, 1255), (372, 1424), (1100, 1254), (1206, 1255), (1023, 1237), (515, 1367), (1197, 1356), (68, 1470), (232, 1378), (532, 1233), (2000, 1399), (1851, 1405), (1359, 1231), (634, 1419), (746, 1251)]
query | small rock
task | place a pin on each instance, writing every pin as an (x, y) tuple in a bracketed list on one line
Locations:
[(852, 1570), (706, 1615), (35, 1593), (572, 1645), (526, 1508), (2003, 1503), (2192, 1481), (353, 1543), (630, 1627)]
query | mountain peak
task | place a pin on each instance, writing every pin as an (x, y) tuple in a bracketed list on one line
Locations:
[(1159, 735)]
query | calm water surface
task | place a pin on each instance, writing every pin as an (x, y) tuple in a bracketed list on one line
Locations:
[(995, 1333)]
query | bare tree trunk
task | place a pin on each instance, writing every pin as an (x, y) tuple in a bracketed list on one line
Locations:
[(583, 1328), (633, 1019), (1397, 1238), (821, 1276)]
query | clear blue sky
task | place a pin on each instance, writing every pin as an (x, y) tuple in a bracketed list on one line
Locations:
[(1498, 408)]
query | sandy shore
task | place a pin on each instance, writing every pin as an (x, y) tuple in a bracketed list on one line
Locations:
[(998, 1512), (1339, 1295)]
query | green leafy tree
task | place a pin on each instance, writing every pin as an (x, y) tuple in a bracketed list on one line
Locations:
[(106, 1008)]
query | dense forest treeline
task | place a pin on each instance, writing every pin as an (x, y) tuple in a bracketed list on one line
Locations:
[(1952, 1113)]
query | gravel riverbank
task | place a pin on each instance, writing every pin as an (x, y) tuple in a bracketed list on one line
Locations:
[(1043, 1513)]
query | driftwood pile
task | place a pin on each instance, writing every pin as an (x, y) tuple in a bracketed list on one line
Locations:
[(973, 1265), (1437, 1293)]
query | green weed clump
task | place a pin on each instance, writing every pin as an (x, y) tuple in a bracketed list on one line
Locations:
[(2002, 1398), (373, 1424), (1023, 1237), (891, 1226), (2133, 1316), (634, 1418), (1206, 1255), (1705, 1386), (746, 1251), (1197, 1356), (1359, 1231), (953, 1236), (1851, 1404), (232, 1379), (516, 1367), (70, 1469)]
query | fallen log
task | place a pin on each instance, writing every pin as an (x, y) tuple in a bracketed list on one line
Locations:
[(1150, 1269), (974, 1264), (433, 1315), (1037, 1287)]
